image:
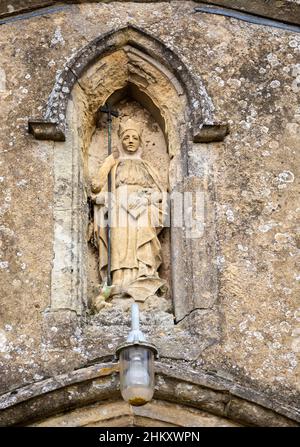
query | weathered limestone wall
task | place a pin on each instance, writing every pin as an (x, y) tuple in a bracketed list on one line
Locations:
[(252, 74), (286, 10)]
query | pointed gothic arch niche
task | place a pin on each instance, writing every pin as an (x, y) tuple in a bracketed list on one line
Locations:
[(131, 102), (131, 64), (135, 84)]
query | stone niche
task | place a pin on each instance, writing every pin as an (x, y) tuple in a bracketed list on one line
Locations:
[(141, 78), (156, 153)]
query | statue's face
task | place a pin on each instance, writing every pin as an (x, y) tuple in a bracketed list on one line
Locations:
[(130, 140)]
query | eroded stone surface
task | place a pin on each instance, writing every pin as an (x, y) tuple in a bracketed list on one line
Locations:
[(287, 10), (213, 398), (156, 413), (251, 72)]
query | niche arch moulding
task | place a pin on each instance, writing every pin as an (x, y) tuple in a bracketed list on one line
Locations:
[(140, 76)]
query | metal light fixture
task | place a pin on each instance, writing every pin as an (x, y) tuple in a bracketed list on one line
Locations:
[(136, 358)]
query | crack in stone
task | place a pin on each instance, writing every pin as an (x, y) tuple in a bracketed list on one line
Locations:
[(192, 311)]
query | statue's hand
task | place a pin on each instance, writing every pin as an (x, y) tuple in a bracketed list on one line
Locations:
[(153, 196), (99, 199), (156, 197)]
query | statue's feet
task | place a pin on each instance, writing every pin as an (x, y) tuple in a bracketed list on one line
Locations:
[(100, 303)]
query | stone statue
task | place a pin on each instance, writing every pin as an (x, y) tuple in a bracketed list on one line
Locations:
[(136, 218)]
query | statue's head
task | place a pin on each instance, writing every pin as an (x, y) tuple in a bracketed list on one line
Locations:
[(130, 136)]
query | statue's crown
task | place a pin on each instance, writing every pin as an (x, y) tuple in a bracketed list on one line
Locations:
[(129, 125)]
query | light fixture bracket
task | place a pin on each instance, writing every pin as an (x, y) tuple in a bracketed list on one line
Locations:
[(143, 344), (136, 336)]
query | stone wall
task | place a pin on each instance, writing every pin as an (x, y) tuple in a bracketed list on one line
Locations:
[(287, 10), (252, 75)]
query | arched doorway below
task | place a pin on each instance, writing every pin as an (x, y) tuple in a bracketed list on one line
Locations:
[(157, 413)]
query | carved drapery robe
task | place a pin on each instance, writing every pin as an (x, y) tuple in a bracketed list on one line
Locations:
[(135, 247)]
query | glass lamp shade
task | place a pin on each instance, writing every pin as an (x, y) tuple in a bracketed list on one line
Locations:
[(137, 374)]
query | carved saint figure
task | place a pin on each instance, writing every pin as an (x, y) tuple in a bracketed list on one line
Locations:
[(136, 218)]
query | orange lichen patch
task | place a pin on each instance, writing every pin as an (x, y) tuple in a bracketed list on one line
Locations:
[(109, 370)]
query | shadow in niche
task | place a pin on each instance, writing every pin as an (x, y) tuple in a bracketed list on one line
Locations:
[(130, 102), (132, 93)]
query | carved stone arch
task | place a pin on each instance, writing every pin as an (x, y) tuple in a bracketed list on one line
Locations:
[(131, 59), (90, 397), (53, 125)]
